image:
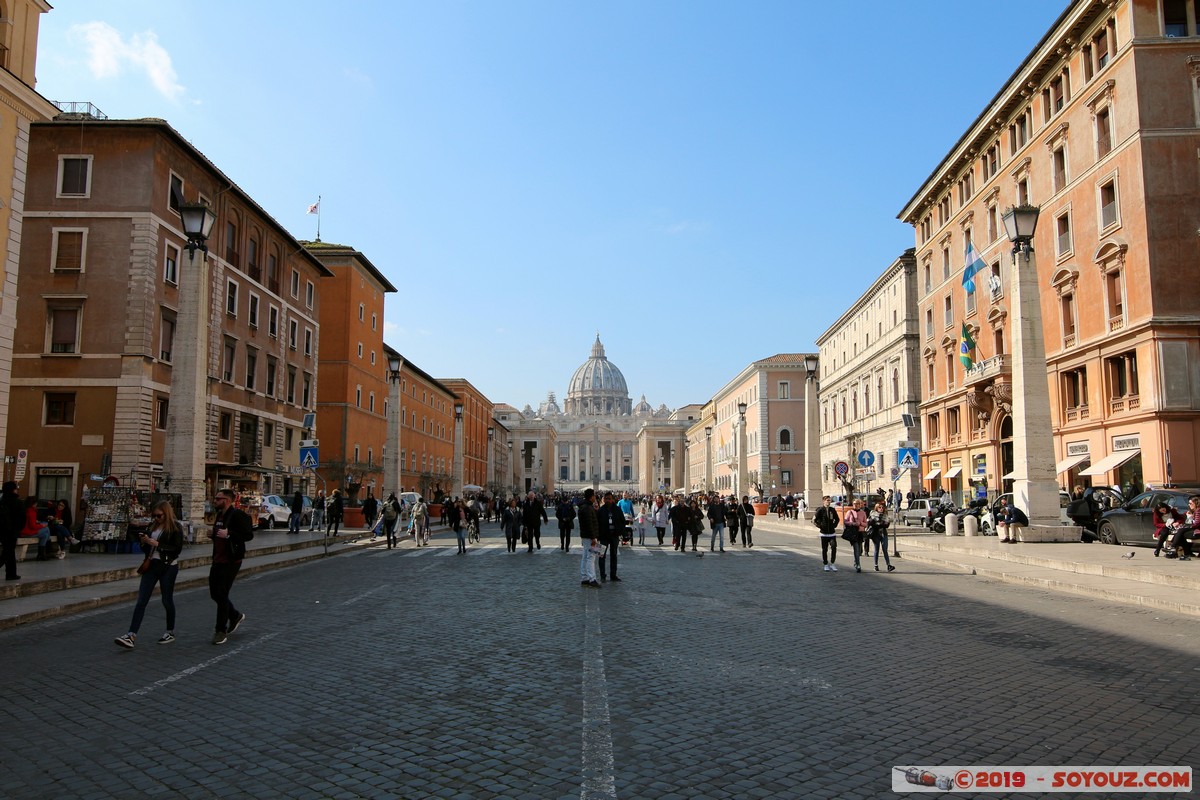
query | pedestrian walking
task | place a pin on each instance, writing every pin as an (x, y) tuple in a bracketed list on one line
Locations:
[(162, 544), (716, 523), (681, 522), (391, 516), (732, 517), (660, 515), (589, 532), (297, 509), (370, 507), (333, 513), (420, 522), (853, 525), (878, 527), (455, 515), (641, 521), (318, 516), (535, 515), (746, 515), (510, 520), (12, 520), (231, 530), (565, 513), (610, 523), (696, 526), (826, 520)]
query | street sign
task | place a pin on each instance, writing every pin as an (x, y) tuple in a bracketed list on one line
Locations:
[(864, 474), (908, 458), (309, 458), (866, 458), (841, 469), (895, 472), (22, 462)]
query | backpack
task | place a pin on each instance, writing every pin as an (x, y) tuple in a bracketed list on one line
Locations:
[(389, 511)]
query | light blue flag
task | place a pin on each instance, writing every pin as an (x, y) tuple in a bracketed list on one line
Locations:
[(974, 264)]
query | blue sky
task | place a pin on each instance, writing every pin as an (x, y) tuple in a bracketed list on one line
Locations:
[(703, 183)]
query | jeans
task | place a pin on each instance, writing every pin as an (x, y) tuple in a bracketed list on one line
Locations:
[(461, 533), (318, 519), (564, 538), (881, 541), (718, 535), (587, 565), (220, 581), (389, 530), (294, 523), (748, 536), (612, 546), (165, 576), (828, 547)]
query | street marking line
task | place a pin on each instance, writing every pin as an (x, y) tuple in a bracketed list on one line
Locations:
[(599, 767), (178, 676), (356, 598)]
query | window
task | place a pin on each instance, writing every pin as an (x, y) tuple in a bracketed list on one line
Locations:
[(1018, 132), (1075, 389), (268, 434), (928, 278), (1110, 214), (291, 385), (162, 407), (60, 408), (990, 161), (295, 287), (272, 367), (372, 358), (374, 322), (288, 434), (360, 350), (231, 243), (273, 322), (1179, 18), (252, 313), (251, 367), (231, 298), (362, 311), (1097, 53), (292, 333), (785, 439), (1067, 307), (228, 356), (1122, 375), (371, 401), (273, 272), (951, 359), (64, 324), (226, 426), (309, 294), (1114, 290), (953, 424), (74, 176), (68, 248), (995, 284), (358, 397), (895, 386), (935, 427), (308, 340), (1056, 95), (946, 263), (166, 337), (174, 192), (1058, 160), (929, 323), (1023, 191), (171, 265), (1104, 133), (306, 391), (948, 311), (1062, 231), (993, 222), (785, 390), (252, 259)]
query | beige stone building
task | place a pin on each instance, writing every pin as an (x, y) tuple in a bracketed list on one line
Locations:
[(870, 384), (19, 106), (1100, 127)]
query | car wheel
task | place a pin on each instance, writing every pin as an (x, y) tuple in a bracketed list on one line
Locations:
[(1108, 534)]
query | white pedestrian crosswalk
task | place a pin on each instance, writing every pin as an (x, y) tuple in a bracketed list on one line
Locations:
[(444, 549)]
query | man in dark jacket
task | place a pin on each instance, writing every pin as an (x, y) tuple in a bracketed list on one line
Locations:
[(681, 520), (297, 509), (12, 520), (611, 524), (826, 520), (534, 516), (231, 530)]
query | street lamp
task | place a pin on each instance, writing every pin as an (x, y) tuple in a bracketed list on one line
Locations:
[(1034, 487), (394, 466), (184, 456), (741, 461), (458, 444), (707, 457), (491, 474), (512, 469), (671, 469), (812, 434)]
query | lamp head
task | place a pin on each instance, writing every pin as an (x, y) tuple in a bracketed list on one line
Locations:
[(197, 219), (811, 362), (1019, 224)]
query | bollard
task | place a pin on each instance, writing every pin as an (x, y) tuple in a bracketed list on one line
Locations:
[(952, 524), (970, 525)]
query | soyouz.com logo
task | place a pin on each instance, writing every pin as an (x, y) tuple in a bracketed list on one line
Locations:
[(949, 779)]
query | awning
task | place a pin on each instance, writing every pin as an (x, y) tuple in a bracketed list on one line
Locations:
[(1068, 462), (933, 473), (953, 473), (1111, 462)]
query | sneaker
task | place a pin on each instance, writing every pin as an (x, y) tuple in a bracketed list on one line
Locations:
[(234, 623), (833, 568), (127, 641), (219, 637), (594, 584), (72, 540), (167, 638), (877, 568), (857, 568), (827, 569), (891, 568), (60, 554)]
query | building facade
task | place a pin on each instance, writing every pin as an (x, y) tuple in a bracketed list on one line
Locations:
[(21, 105), (1099, 126), (352, 407), (99, 297), (470, 467), (426, 429), (870, 384)]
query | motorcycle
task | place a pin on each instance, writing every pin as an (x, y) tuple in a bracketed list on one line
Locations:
[(937, 521)]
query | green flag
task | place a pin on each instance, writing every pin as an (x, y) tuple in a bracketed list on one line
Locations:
[(966, 350)]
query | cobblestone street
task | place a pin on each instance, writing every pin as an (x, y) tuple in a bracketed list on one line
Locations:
[(423, 673)]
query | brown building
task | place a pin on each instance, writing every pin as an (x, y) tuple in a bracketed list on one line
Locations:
[(351, 410), (99, 289), (426, 430), (1099, 126), (22, 105), (477, 417)]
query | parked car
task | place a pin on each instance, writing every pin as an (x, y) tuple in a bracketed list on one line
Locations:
[(987, 524), (918, 512), (275, 511), (1133, 522)]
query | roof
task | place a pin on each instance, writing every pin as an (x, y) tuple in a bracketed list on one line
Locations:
[(328, 248), (389, 351)]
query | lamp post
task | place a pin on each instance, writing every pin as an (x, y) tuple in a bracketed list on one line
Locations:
[(707, 457), (458, 444), (670, 470), (512, 469), (1034, 488), (812, 435), (741, 462), (393, 467), (184, 456), (491, 475)]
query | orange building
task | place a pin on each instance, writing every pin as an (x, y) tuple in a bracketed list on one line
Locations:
[(426, 430), (351, 411), (1099, 126), (477, 417)]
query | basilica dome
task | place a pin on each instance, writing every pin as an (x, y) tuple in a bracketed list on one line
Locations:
[(598, 388)]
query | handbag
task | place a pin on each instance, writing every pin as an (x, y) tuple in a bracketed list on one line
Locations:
[(144, 567)]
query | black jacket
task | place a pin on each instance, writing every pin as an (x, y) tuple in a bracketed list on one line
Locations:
[(535, 514), (241, 530), (610, 523), (826, 519)]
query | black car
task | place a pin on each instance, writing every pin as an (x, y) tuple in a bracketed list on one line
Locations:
[(1133, 521)]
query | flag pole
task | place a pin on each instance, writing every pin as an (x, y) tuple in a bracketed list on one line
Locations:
[(318, 218)]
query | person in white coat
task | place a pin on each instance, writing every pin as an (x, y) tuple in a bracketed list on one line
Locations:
[(660, 515)]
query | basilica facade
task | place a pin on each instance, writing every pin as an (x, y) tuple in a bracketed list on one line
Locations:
[(598, 437)]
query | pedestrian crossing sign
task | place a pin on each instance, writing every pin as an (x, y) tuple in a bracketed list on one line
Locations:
[(908, 458), (309, 458)]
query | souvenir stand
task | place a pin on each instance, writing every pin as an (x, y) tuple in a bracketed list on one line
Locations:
[(116, 515)]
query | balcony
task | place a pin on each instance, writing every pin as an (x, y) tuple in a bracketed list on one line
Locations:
[(1077, 413), (1068, 341), (988, 369), (1130, 402), (1116, 323)]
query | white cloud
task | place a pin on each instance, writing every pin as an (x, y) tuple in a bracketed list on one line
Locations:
[(109, 53)]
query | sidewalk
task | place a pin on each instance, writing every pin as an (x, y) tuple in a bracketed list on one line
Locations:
[(85, 580), (1094, 570)]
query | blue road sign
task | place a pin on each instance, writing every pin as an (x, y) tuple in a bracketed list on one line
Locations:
[(309, 458), (908, 457), (866, 458)]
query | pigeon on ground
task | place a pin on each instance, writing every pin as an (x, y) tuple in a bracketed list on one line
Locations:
[(1131, 554)]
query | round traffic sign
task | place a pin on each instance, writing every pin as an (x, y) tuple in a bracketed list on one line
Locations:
[(841, 468), (866, 458), (895, 471)]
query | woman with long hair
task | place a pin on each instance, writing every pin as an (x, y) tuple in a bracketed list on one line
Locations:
[(163, 544)]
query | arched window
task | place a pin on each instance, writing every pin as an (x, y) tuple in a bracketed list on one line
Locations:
[(879, 391), (866, 399), (896, 386), (785, 439), (854, 404)]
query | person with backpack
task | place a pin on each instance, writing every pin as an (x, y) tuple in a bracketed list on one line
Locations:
[(391, 515), (826, 520), (565, 513)]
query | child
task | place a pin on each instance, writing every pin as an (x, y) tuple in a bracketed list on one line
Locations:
[(640, 522)]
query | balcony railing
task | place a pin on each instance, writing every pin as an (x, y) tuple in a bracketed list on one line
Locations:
[(1116, 323), (1077, 413), (1129, 402), (988, 369), (1069, 340)]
